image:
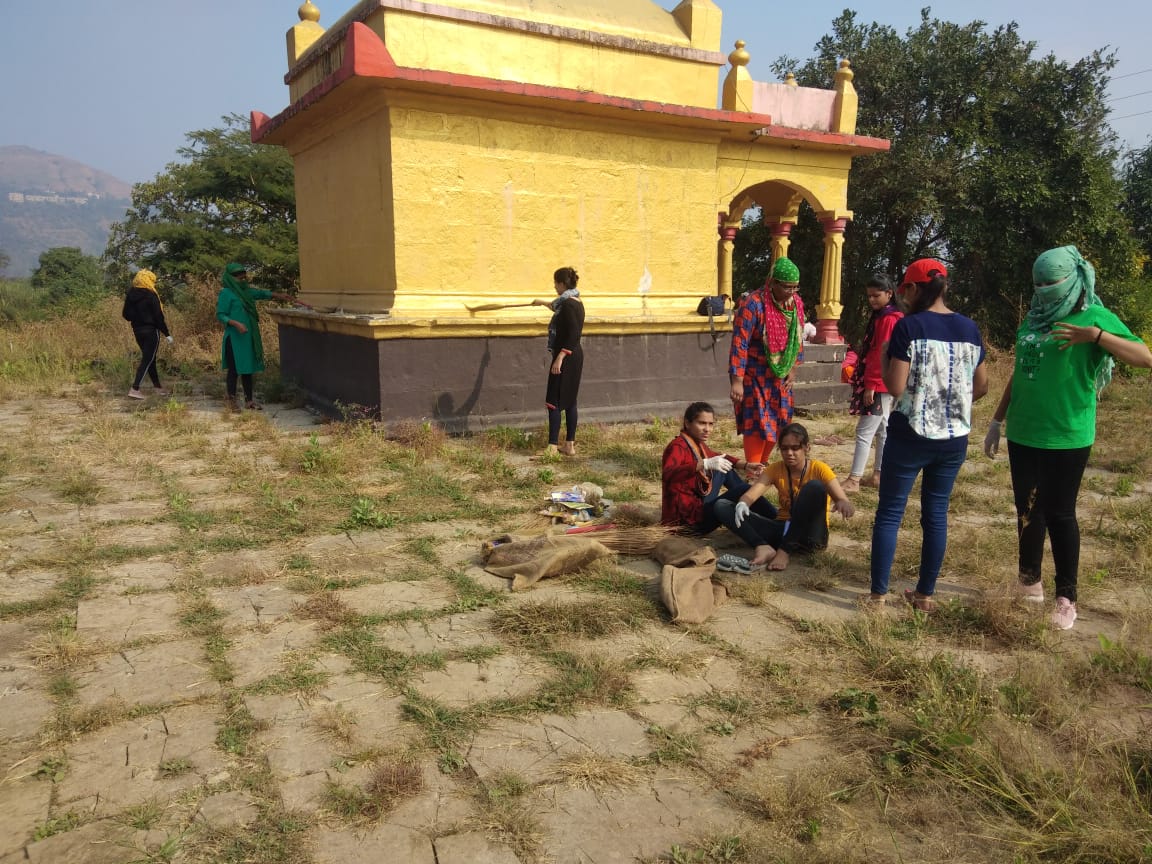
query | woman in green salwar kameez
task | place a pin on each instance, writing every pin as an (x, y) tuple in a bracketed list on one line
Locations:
[(242, 351)]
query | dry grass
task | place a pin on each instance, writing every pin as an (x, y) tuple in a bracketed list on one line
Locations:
[(599, 773), (852, 739)]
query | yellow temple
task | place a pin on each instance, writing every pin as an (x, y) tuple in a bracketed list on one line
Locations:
[(450, 156)]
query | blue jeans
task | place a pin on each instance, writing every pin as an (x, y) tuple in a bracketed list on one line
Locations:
[(733, 486), (903, 461)]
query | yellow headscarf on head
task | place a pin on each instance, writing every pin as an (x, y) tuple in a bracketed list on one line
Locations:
[(146, 279)]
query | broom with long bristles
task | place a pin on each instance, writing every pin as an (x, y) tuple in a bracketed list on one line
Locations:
[(626, 540)]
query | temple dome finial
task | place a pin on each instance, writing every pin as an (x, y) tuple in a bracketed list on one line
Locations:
[(308, 12), (739, 57)]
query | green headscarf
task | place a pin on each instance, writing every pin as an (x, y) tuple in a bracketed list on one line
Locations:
[(784, 270), (1060, 277), (244, 291), (781, 360)]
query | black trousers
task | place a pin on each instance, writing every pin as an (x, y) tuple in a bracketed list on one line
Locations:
[(1045, 484), (148, 338), (230, 380)]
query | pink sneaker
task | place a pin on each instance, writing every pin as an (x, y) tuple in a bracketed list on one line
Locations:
[(1064, 615), (1033, 593), (135, 394)]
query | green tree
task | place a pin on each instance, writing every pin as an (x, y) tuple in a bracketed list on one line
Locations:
[(230, 200), (67, 274), (997, 155)]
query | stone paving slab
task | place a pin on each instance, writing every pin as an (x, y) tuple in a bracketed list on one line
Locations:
[(118, 619), (451, 633), (251, 565), (296, 739), (389, 598), (142, 576), (135, 510), (120, 766), (104, 842), (618, 827), (441, 806), (255, 605), (755, 630), (472, 848), (155, 534), (26, 585), (834, 605), (462, 683), (154, 674), (533, 748), (16, 636), (227, 810), (23, 807), (383, 843), (24, 707), (256, 654)]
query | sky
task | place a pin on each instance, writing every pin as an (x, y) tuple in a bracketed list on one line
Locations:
[(118, 85)]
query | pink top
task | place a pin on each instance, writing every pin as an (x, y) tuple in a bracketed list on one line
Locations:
[(872, 363)]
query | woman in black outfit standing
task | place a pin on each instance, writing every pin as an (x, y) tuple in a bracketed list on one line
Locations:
[(567, 359), (143, 310)]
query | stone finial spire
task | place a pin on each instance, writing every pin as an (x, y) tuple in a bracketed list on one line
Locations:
[(739, 57), (737, 93), (305, 34), (790, 80), (846, 106)]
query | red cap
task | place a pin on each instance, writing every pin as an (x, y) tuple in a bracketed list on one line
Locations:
[(922, 270)]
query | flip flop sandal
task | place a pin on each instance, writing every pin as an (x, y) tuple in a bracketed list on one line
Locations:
[(734, 564), (920, 604)]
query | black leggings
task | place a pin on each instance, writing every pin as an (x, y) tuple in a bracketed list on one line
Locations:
[(1045, 484), (571, 417), (148, 338), (230, 381), (805, 531)]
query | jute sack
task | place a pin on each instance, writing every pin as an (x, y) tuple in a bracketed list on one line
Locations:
[(686, 586), (527, 560)]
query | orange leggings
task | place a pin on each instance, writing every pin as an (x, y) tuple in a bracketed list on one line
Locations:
[(757, 449)]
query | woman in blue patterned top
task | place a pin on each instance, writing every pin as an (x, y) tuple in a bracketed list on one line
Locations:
[(934, 367)]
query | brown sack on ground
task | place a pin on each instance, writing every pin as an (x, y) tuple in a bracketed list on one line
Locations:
[(528, 560), (686, 586)]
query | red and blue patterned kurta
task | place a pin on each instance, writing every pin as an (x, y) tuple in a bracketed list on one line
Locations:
[(767, 405)]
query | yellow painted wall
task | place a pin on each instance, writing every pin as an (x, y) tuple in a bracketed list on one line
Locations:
[(345, 213), (486, 200), (435, 43)]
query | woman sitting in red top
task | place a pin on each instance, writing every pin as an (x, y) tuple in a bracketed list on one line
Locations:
[(694, 477)]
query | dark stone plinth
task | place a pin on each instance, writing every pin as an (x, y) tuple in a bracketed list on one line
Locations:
[(468, 384)]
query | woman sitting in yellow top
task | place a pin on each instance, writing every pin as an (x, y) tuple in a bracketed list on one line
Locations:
[(808, 492)]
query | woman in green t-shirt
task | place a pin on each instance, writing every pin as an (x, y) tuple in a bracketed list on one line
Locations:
[(1064, 358)]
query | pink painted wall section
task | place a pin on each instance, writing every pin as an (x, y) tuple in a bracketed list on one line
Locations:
[(796, 107)]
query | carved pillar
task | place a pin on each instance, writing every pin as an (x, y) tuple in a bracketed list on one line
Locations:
[(727, 231), (781, 240), (829, 308)]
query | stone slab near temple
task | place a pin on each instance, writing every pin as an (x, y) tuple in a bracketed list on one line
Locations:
[(450, 156)]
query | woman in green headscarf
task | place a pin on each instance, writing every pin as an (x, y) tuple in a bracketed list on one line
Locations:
[(1064, 359), (242, 352)]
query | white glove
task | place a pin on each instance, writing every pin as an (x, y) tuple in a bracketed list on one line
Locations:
[(742, 511), (717, 463), (169, 338), (992, 439)]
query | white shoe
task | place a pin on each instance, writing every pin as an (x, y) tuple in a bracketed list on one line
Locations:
[(1064, 615), (1033, 593), (136, 394)]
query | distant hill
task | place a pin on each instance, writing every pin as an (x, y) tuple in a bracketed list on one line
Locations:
[(48, 201)]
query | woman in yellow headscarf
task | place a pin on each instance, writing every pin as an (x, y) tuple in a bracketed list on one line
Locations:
[(144, 311)]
